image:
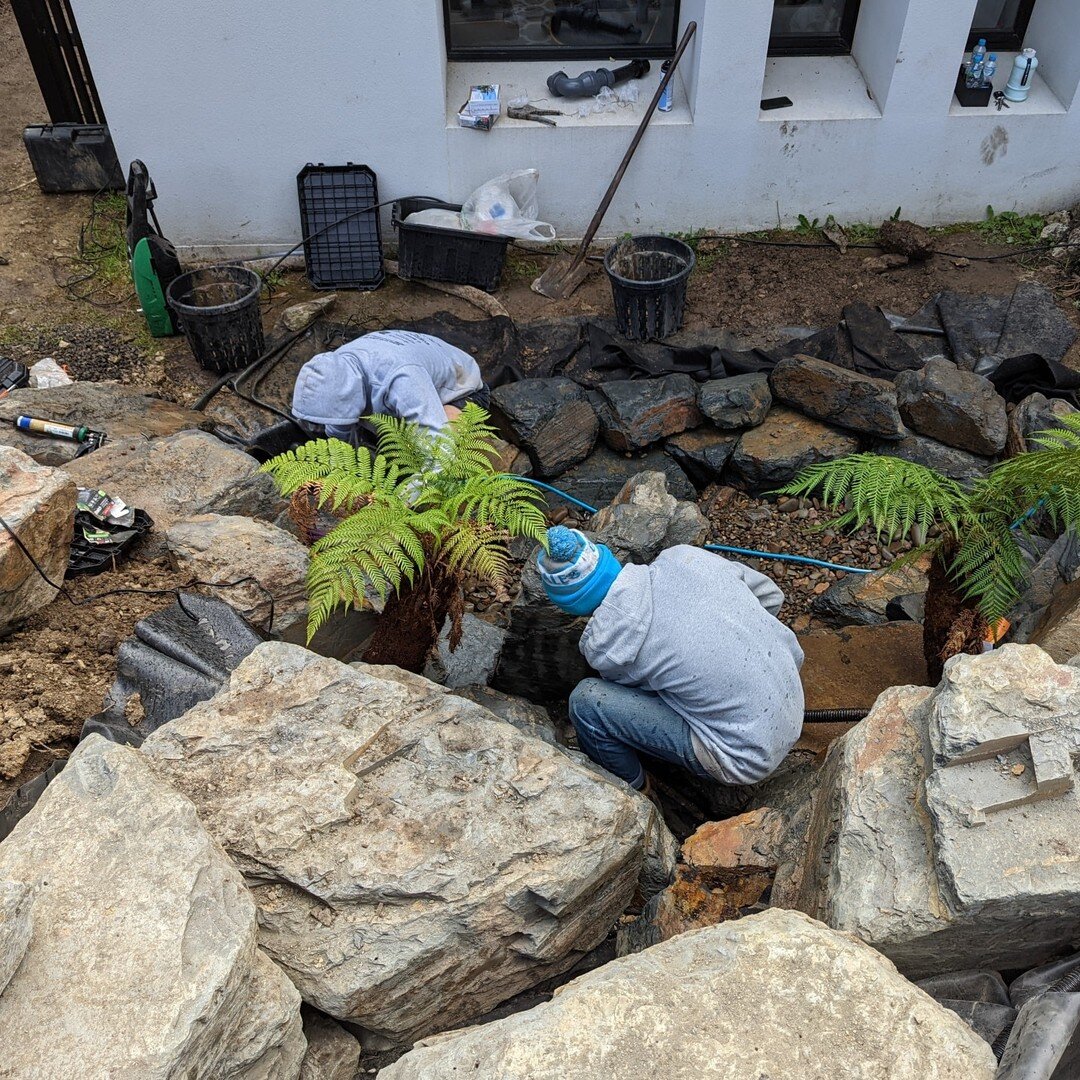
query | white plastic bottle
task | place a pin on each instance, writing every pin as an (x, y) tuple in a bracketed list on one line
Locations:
[(1023, 72), (975, 68), (989, 70)]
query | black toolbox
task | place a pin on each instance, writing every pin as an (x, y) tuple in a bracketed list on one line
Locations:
[(73, 157)]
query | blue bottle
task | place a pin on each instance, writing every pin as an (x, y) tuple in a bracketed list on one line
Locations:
[(990, 70), (975, 68)]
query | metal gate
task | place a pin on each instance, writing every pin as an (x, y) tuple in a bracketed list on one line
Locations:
[(56, 54)]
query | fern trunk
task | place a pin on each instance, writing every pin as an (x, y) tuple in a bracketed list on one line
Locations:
[(950, 625), (409, 626)]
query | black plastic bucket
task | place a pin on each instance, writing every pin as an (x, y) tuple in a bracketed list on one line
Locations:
[(648, 282), (218, 310)]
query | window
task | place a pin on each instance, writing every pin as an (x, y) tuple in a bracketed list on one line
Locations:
[(1002, 22), (539, 29), (813, 27)]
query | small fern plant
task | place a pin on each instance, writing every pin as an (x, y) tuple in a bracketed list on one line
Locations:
[(424, 504), (980, 527)]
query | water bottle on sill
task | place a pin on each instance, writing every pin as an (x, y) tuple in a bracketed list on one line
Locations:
[(1019, 85), (975, 68), (989, 70)]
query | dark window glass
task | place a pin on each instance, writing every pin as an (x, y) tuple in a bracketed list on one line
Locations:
[(536, 29), (813, 27), (1002, 22)]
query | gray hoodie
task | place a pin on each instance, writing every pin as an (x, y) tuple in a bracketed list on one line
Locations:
[(702, 633), (391, 372)]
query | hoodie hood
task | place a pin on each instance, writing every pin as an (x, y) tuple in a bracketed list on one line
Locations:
[(331, 390), (619, 626)]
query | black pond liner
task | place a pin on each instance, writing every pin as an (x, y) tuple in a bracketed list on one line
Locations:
[(218, 310), (648, 277)]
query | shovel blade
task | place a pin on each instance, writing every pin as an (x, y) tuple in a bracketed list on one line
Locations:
[(561, 278)]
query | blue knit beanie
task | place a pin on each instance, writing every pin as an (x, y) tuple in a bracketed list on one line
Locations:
[(576, 573)]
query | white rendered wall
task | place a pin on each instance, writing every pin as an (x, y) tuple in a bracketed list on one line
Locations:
[(225, 101)]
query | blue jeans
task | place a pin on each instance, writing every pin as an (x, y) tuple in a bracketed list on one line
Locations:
[(613, 723)]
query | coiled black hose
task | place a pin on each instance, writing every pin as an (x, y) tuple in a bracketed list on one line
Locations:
[(834, 716), (1069, 983)]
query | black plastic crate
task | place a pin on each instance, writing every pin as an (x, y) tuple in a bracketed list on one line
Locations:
[(345, 247), (454, 255), (73, 157)]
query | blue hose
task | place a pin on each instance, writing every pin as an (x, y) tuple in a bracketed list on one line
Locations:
[(803, 560)]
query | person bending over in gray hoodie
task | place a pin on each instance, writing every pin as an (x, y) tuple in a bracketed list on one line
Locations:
[(415, 377), (694, 666)]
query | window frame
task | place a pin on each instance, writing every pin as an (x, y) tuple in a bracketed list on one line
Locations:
[(838, 44), (1005, 40), (561, 52)]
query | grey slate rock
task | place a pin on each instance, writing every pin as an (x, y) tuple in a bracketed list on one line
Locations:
[(702, 454), (864, 599), (473, 661), (551, 419), (601, 476), (1034, 414), (958, 408), (635, 413), (528, 717), (332, 1052), (956, 464), (784, 444), (838, 396), (740, 401)]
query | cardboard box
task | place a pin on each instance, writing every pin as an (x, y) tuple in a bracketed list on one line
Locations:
[(484, 101), (478, 123)]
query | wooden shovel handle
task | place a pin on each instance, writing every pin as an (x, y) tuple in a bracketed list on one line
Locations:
[(602, 209)]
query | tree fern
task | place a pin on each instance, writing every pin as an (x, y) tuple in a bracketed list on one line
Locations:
[(979, 525), (423, 496)]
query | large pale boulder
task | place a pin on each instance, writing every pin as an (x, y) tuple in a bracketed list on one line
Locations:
[(772, 995), (178, 476), (945, 826), (38, 504), (415, 860), (143, 959), (16, 925), (218, 548)]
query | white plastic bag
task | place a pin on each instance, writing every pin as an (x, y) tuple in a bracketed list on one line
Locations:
[(436, 218), (507, 206)]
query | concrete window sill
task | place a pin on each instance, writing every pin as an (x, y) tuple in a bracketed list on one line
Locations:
[(1041, 101), (821, 88), (529, 79)]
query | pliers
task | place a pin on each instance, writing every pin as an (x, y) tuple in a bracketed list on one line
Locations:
[(530, 112)]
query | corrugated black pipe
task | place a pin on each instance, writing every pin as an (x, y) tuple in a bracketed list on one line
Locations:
[(834, 716)]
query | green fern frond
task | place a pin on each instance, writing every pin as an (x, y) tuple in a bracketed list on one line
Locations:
[(406, 445), (887, 493), (989, 567)]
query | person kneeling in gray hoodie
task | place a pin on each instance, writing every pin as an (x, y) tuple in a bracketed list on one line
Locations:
[(399, 373), (694, 666)]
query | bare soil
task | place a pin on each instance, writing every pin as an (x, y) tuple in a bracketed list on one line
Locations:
[(54, 672)]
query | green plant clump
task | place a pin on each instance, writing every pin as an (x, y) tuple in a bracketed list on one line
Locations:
[(424, 505), (980, 526), (1009, 227)]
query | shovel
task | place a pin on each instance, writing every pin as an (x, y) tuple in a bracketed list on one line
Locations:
[(567, 272)]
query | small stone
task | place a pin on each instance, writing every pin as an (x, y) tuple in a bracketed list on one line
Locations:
[(1018, 769), (821, 587), (882, 264), (297, 316), (788, 506), (961, 264), (740, 401)]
